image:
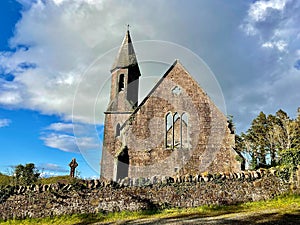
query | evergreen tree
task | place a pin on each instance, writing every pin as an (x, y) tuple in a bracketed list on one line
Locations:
[(272, 140), (256, 141)]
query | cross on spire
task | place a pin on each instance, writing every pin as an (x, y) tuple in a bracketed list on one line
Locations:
[(126, 56)]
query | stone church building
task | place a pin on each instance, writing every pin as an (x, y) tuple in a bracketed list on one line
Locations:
[(176, 129)]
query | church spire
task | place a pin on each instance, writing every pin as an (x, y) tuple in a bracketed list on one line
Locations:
[(126, 56)]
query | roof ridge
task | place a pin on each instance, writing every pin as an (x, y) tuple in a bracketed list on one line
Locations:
[(151, 91)]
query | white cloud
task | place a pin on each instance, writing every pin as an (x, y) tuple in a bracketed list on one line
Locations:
[(5, 122), (47, 167), (63, 127), (275, 22), (280, 45), (69, 143), (260, 10), (61, 38), (70, 128), (10, 98), (274, 25), (63, 142), (62, 136)]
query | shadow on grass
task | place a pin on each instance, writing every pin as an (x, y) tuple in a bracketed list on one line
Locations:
[(262, 219), (100, 217)]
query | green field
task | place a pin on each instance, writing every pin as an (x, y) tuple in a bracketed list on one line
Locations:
[(281, 210)]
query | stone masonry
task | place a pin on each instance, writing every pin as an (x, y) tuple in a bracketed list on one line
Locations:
[(176, 129), (92, 196)]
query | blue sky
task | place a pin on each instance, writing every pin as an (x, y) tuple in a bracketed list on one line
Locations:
[(52, 111)]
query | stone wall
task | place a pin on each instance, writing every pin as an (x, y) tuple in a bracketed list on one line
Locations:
[(137, 194)]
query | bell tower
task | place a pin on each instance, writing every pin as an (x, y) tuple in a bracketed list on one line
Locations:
[(125, 78), (124, 91)]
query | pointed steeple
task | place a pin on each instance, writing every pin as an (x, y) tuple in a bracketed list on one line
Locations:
[(126, 56)]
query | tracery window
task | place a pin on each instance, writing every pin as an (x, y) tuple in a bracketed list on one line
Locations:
[(176, 130)]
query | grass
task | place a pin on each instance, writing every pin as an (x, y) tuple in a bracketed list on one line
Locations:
[(66, 179), (282, 202), (61, 179), (288, 204), (4, 179)]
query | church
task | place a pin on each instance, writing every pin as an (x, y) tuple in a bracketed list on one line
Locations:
[(175, 130)]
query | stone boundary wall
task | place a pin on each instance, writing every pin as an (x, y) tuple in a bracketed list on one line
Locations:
[(91, 196)]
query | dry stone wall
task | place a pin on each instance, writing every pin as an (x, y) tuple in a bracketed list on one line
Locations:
[(92, 196)]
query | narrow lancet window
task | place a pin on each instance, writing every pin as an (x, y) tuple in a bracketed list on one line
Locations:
[(176, 131), (168, 130), (118, 128), (121, 82)]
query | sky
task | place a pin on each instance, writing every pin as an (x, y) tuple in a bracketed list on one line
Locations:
[(55, 57)]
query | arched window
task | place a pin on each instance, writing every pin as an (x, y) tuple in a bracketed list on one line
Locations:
[(184, 130), (118, 128), (169, 130), (176, 130), (121, 82)]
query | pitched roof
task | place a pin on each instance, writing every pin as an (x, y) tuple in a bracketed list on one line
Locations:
[(113, 107), (126, 56), (151, 92)]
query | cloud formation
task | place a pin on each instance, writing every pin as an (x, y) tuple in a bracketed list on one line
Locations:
[(61, 136), (253, 48), (274, 24), (51, 169), (54, 43), (63, 142), (4, 122)]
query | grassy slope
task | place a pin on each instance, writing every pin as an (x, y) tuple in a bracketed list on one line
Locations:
[(61, 179), (284, 205), (4, 179), (7, 180)]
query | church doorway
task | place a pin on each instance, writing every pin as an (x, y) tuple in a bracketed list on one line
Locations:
[(122, 164)]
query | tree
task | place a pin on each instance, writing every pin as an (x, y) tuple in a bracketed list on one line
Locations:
[(26, 175), (286, 130), (256, 141), (290, 158), (296, 139), (271, 140)]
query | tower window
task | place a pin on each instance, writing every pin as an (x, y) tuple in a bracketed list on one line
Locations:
[(121, 82), (118, 128)]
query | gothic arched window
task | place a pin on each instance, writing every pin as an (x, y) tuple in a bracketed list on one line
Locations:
[(168, 130), (176, 130)]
